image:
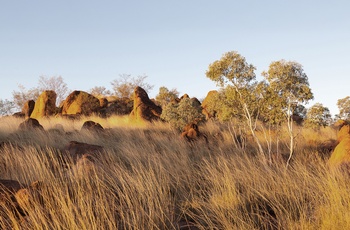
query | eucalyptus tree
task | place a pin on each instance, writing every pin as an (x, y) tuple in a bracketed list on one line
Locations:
[(238, 79), (165, 95), (344, 108), (290, 86), (318, 116)]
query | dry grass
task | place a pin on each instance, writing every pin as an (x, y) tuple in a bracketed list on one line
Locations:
[(149, 178)]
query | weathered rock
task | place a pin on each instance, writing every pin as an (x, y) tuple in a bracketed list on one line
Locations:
[(57, 129), (28, 108), (18, 115), (191, 133), (103, 102), (30, 196), (340, 123), (341, 154), (9, 186), (30, 124), (80, 102), (144, 109), (195, 102), (344, 131), (8, 203), (77, 149), (119, 106), (184, 96), (45, 105), (92, 126)]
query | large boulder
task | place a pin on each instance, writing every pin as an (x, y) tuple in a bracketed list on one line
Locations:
[(119, 106), (11, 186), (341, 154), (192, 133), (31, 196), (45, 105), (30, 124), (80, 102), (28, 108), (8, 203), (343, 133), (92, 126), (76, 149), (144, 109)]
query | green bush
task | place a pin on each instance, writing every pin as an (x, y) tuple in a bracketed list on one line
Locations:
[(182, 113)]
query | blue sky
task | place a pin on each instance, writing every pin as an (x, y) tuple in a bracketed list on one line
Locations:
[(90, 43)]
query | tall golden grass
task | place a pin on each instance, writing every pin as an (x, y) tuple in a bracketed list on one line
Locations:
[(149, 178)]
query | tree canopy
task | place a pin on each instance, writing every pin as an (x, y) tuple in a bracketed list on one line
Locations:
[(124, 86), (165, 95), (318, 116), (344, 108), (55, 83)]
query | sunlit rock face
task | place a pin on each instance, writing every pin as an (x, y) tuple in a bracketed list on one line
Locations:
[(144, 108), (45, 105), (80, 102)]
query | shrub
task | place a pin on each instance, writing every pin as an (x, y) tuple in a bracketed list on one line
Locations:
[(182, 113)]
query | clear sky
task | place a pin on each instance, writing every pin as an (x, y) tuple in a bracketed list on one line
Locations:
[(90, 43)]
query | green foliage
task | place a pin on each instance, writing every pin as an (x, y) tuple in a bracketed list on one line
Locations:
[(242, 93), (344, 108), (239, 96), (289, 87), (182, 113), (124, 86), (165, 95), (226, 104), (231, 68), (318, 116), (288, 80)]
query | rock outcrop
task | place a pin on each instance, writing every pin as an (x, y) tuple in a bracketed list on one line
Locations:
[(76, 149), (28, 108), (120, 106), (30, 124), (92, 126), (80, 103), (45, 105), (192, 133), (144, 108), (340, 157), (30, 196)]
